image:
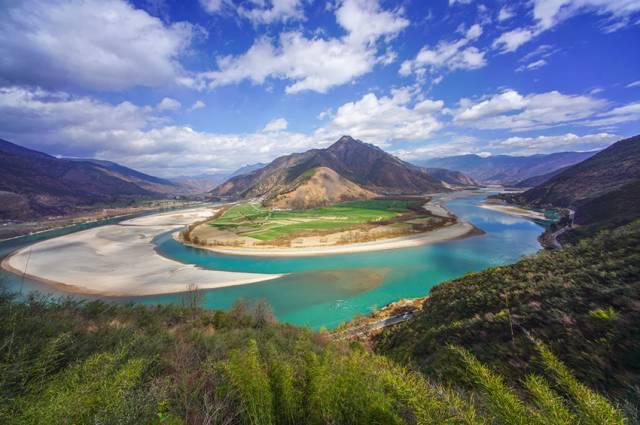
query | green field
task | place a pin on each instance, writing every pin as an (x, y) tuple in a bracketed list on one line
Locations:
[(252, 220)]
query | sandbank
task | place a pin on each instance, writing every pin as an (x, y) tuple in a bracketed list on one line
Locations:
[(120, 260), (513, 210)]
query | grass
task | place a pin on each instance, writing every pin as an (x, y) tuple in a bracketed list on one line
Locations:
[(252, 220), (70, 362)]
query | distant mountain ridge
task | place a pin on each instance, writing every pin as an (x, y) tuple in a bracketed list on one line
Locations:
[(34, 184), (505, 169), (451, 177), (355, 162), (603, 187)]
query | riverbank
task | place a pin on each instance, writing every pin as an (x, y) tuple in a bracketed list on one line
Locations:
[(120, 260), (513, 210), (459, 230), (10, 230)]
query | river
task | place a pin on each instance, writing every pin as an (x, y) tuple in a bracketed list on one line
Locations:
[(325, 291)]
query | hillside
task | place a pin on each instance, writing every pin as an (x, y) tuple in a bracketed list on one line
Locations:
[(100, 363), (247, 169), (605, 186), (34, 184), (145, 181), (318, 187), (584, 302), (538, 180), (450, 177), (504, 169), (360, 163)]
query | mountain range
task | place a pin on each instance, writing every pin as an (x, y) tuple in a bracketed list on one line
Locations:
[(348, 169), (505, 169), (202, 183), (34, 184), (603, 187)]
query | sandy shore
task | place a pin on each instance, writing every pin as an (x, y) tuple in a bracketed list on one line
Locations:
[(120, 260), (455, 231), (508, 209)]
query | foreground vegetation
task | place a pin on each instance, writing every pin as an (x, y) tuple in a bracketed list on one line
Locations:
[(583, 301), (96, 363)]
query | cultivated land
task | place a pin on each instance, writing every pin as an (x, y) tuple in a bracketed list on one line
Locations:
[(121, 260), (354, 226)]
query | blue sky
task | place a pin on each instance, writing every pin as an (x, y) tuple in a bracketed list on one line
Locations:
[(189, 87)]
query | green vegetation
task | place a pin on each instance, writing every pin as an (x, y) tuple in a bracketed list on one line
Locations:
[(583, 302), (96, 363), (250, 219)]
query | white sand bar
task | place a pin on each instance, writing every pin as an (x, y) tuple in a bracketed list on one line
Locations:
[(120, 260)]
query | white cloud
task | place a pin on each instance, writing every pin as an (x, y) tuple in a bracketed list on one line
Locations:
[(555, 143), (258, 11), (550, 12), (278, 124), (505, 13), (212, 6), (510, 41), (533, 65), (140, 137), (59, 123), (513, 111), (449, 55), (295, 58), (634, 84), (198, 104), (384, 119), (621, 114), (97, 44), (168, 104), (278, 10)]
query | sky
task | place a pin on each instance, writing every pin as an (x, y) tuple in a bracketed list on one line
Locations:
[(192, 87)]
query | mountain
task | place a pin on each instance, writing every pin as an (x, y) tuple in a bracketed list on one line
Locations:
[(356, 162), (34, 184), (505, 169), (450, 177), (248, 169), (538, 180), (145, 181), (604, 187), (201, 183), (319, 186)]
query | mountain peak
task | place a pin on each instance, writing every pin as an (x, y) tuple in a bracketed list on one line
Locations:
[(348, 141)]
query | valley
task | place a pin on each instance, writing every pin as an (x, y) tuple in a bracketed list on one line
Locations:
[(298, 212)]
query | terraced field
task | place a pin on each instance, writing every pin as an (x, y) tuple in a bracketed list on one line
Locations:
[(251, 220)]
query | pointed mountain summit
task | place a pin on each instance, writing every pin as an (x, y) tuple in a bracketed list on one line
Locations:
[(361, 170)]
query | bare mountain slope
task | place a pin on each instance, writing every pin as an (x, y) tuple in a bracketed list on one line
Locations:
[(318, 187), (360, 163)]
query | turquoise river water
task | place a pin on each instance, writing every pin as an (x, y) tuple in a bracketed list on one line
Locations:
[(324, 291)]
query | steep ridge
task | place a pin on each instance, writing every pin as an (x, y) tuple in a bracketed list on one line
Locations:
[(506, 169), (360, 163), (605, 186), (34, 184)]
